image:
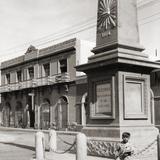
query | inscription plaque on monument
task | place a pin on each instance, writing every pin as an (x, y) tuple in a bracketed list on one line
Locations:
[(103, 95), (103, 99), (135, 91)]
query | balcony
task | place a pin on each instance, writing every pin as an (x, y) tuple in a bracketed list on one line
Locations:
[(63, 77), (14, 86), (28, 83), (4, 88), (43, 81), (10, 87)]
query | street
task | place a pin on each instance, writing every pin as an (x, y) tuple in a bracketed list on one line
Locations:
[(12, 145), (19, 144), (15, 152)]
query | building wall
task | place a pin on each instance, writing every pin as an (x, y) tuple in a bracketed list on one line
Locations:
[(149, 22), (13, 98), (84, 47), (81, 100), (44, 98), (155, 86), (53, 94)]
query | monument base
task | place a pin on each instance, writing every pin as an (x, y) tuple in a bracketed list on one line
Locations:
[(141, 138)]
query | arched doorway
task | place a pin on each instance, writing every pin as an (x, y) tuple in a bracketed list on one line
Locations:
[(45, 114), (31, 113), (6, 114), (62, 113), (18, 114), (83, 109), (152, 107)]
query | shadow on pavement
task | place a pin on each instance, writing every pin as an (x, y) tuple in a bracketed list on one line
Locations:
[(19, 145)]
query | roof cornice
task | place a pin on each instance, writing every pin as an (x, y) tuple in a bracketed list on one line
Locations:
[(45, 52)]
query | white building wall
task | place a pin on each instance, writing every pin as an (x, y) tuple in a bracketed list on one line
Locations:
[(149, 27), (0, 82), (83, 51)]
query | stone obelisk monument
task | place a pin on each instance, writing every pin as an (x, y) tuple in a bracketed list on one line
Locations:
[(119, 77)]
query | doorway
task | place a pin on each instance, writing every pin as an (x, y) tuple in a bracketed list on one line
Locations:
[(6, 114), (62, 113), (31, 111), (45, 114), (83, 109), (18, 114)]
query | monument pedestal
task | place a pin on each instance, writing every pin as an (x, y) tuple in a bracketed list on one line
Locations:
[(119, 97)]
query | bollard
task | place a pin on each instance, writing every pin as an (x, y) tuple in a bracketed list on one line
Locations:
[(158, 146), (40, 146), (81, 147), (52, 140)]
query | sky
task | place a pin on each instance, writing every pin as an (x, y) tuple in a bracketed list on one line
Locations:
[(27, 21)]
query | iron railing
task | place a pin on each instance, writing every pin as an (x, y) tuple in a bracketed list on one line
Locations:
[(42, 81)]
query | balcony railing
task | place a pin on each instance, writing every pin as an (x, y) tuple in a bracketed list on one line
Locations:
[(63, 77), (4, 88), (27, 84), (43, 81)]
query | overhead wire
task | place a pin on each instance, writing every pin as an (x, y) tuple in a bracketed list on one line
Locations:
[(158, 18), (158, 13), (46, 42), (79, 27), (65, 32)]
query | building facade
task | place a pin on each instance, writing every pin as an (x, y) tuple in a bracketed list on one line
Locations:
[(148, 20), (38, 89)]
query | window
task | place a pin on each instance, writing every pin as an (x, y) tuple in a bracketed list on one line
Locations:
[(63, 65), (8, 78), (46, 69), (31, 72), (19, 76)]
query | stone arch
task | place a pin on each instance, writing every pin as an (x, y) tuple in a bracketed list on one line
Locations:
[(62, 113), (19, 114), (152, 107), (6, 114), (83, 109), (45, 114), (46, 100)]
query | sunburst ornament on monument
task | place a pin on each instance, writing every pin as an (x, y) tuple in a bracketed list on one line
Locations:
[(107, 15)]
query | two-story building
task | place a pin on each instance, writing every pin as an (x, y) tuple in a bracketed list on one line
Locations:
[(38, 89)]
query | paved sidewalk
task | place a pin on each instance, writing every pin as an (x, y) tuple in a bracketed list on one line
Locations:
[(19, 144), (69, 156)]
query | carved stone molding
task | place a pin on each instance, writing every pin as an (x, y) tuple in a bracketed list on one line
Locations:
[(101, 148)]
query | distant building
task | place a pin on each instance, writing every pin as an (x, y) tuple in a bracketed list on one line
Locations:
[(39, 88), (149, 22)]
